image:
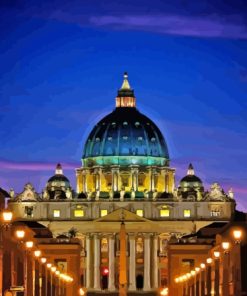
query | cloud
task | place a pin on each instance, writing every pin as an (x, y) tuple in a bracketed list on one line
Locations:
[(33, 166), (207, 26)]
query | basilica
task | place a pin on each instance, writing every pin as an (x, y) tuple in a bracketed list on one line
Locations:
[(125, 175)]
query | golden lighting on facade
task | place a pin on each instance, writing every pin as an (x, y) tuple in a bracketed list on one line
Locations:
[(203, 266), (193, 272), (197, 269), (53, 268), (49, 265), (57, 272)]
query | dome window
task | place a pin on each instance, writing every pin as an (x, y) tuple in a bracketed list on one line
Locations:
[(137, 124), (125, 123), (113, 123), (153, 139), (97, 139), (125, 138), (109, 138), (140, 138)]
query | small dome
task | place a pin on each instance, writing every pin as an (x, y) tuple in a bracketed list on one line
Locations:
[(58, 186), (58, 179), (125, 136), (190, 180)]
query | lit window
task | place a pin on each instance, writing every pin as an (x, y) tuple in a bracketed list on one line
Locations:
[(215, 213), (78, 213), (164, 213), (187, 213), (139, 213), (103, 213), (56, 213)]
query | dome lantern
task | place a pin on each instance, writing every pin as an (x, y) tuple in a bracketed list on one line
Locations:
[(125, 97), (59, 170), (190, 171)]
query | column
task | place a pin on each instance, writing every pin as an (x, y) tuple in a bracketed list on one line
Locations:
[(111, 281), (96, 262), (88, 262), (155, 261), (202, 285), (84, 181), (236, 252), (208, 280), (115, 177), (146, 286), (217, 277), (226, 271), (132, 263)]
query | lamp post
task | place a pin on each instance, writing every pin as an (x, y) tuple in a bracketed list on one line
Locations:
[(47, 270), (209, 276), (57, 287), (202, 279), (237, 235), (216, 273), (225, 281), (193, 275), (28, 246), (197, 280), (6, 219), (43, 261), (53, 270), (37, 254)]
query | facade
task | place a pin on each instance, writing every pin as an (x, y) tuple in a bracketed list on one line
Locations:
[(125, 175)]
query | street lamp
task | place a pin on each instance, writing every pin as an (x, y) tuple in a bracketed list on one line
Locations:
[(209, 275), (237, 234), (28, 246), (225, 246), (43, 261), (19, 234), (7, 216), (53, 270), (216, 254), (217, 273)]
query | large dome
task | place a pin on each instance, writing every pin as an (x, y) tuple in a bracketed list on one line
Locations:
[(125, 136)]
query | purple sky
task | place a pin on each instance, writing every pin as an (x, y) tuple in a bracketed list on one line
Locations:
[(62, 63)]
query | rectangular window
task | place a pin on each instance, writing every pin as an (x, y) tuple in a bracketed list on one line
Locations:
[(103, 213), (139, 213), (78, 213), (215, 213), (187, 213), (164, 213), (56, 213)]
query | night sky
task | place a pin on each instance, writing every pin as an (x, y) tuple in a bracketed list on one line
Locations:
[(61, 63)]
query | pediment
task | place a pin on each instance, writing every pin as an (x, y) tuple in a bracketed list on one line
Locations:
[(122, 214)]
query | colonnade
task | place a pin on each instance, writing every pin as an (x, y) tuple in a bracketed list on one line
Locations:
[(93, 262), (166, 176)]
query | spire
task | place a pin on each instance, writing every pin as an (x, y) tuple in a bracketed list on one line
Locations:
[(125, 96), (190, 171), (59, 170), (125, 85)]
